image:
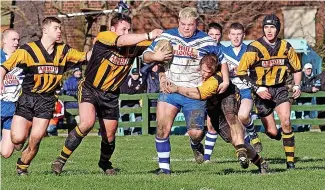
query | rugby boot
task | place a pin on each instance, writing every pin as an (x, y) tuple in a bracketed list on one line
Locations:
[(242, 158), (264, 168), (291, 165), (107, 168), (160, 171), (199, 153), (21, 172), (57, 166)]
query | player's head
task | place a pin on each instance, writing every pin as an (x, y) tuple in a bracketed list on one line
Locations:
[(10, 40), (271, 27), (208, 65), (187, 21), (51, 28), (214, 30), (121, 24), (236, 34)]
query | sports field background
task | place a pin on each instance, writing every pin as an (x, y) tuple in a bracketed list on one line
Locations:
[(135, 156)]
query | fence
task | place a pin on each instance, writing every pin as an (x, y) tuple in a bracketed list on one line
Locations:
[(145, 110)]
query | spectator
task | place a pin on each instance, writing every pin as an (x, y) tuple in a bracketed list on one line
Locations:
[(150, 76), (70, 88), (307, 85), (132, 85)]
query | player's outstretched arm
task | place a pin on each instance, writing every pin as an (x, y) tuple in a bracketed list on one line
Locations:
[(133, 39)]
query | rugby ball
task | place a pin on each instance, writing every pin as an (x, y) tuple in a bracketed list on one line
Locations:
[(166, 47)]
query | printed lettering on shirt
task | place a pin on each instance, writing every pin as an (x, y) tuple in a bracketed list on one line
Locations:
[(48, 70)]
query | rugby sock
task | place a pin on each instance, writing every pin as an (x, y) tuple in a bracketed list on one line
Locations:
[(163, 151), (194, 145), (240, 148), (106, 150), (257, 160), (210, 141), (250, 128), (71, 143), (21, 165), (289, 145)]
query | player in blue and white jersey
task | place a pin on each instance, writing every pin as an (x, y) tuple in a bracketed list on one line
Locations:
[(233, 54), (189, 46), (12, 87)]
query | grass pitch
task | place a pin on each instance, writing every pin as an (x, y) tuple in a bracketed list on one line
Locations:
[(136, 158)]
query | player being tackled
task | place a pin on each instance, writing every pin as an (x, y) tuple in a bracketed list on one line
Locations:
[(222, 111)]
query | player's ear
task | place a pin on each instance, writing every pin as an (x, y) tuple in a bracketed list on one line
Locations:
[(113, 29)]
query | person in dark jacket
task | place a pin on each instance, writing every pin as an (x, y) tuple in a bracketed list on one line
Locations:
[(70, 88), (308, 83), (132, 85)]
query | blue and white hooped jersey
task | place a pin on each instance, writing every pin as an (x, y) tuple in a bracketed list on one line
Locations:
[(12, 83), (184, 69), (233, 60)]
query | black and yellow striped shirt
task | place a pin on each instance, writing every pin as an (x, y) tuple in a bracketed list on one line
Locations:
[(109, 65), (43, 71), (268, 65)]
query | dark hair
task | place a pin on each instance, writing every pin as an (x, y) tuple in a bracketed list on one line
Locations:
[(237, 26), (214, 25), (211, 61), (49, 20), (118, 17)]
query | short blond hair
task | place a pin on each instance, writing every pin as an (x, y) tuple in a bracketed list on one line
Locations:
[(189, 12)]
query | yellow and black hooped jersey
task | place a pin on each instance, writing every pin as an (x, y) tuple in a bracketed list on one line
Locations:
[(109, 65), (43, 71), (267, 65), (209, 87), (209, 90)]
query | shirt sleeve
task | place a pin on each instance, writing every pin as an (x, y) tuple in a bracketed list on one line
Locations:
[(293, 58), (76, 56), (208, 88), (16, 59), (108, 38)]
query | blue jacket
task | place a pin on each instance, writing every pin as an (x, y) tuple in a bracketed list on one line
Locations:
[(70, 88), (3, 56), (151, 78)]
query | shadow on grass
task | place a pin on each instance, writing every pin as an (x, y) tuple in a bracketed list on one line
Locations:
[(298, 159), (77, 172)]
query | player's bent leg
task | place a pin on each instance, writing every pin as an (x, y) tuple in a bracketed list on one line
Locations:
[(7, 147), (195, 118), (108, 129), (87, 119), (288, 137), (165, 117), (244, 117), (210, 140), (270, 127), (237, 138), (37, 133), (20, 128)]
